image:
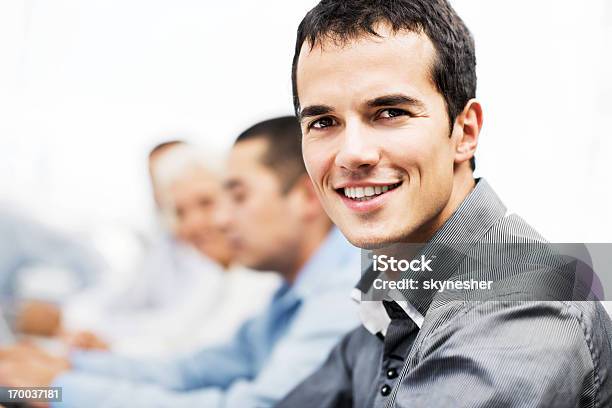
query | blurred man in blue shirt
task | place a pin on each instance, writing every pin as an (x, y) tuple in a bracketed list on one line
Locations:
[(275, 222)]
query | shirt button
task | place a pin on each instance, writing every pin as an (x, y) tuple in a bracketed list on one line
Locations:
[(385, 390), (391, 373)]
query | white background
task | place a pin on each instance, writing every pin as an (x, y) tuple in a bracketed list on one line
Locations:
[(86, 87)]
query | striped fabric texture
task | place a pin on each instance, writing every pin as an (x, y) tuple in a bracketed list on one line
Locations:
[(535, 339)]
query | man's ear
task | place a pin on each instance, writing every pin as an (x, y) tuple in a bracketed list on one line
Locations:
[(467, 130)]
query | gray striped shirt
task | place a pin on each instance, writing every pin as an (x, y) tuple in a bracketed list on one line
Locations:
[(530, 341)]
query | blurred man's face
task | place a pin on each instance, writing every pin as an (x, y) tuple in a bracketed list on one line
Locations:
[(195, 197), (264, 224), (376, 135)]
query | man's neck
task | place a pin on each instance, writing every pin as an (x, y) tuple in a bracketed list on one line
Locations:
[(313, 239), (410, 248)]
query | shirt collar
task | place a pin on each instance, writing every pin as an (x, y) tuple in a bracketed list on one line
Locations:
[(480, 210), (373, 314)]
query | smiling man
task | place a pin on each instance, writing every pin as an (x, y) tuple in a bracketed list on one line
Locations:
[(385, 94), (421, 172)]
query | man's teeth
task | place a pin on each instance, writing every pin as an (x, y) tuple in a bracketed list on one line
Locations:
[(367, 193)]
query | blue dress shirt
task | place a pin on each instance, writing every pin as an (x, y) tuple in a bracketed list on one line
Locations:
[(269, 355)]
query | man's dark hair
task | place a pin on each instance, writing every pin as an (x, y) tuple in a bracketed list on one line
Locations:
[(454, 68), (283, 153)]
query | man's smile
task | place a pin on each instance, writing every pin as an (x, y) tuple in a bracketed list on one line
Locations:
[(366, 192), (366, 197)]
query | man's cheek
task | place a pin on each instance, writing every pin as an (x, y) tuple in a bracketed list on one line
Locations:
[(311, 154), (320, 175)]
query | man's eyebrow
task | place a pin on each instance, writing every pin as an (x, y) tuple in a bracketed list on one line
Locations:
[(394, 100), (314, 110)]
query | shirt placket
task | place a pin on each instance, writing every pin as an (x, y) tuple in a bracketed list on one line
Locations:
[(397, 342)]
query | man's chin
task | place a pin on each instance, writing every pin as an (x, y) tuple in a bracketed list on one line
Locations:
[(367, 239)]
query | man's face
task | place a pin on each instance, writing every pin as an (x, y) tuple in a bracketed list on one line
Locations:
[(195, 197), (376, 135), (263, 223)]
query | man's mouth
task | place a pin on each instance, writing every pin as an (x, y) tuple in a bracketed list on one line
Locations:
[(365, 193)]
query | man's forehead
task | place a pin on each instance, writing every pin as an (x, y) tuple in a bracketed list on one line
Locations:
[(368, 46), (365, 61), (247, 152), (245, 159)]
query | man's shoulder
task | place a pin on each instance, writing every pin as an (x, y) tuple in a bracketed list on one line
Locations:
[(520, 262), (569, 324), (513, 228), (596, 325), (583, 327)]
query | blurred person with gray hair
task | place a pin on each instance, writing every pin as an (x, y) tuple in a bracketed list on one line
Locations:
[(187, 292), (274, 222)]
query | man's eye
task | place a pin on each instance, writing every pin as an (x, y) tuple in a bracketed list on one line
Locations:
[(322, 123), (392, 113)]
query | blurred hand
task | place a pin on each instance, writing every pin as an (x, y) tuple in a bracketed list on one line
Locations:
[(84, 340), (30, 355), (39, 319), (25, 365), (16, 374), (21, 350)]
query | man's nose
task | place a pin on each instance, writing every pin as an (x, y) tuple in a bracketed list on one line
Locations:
[(358, 150)]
